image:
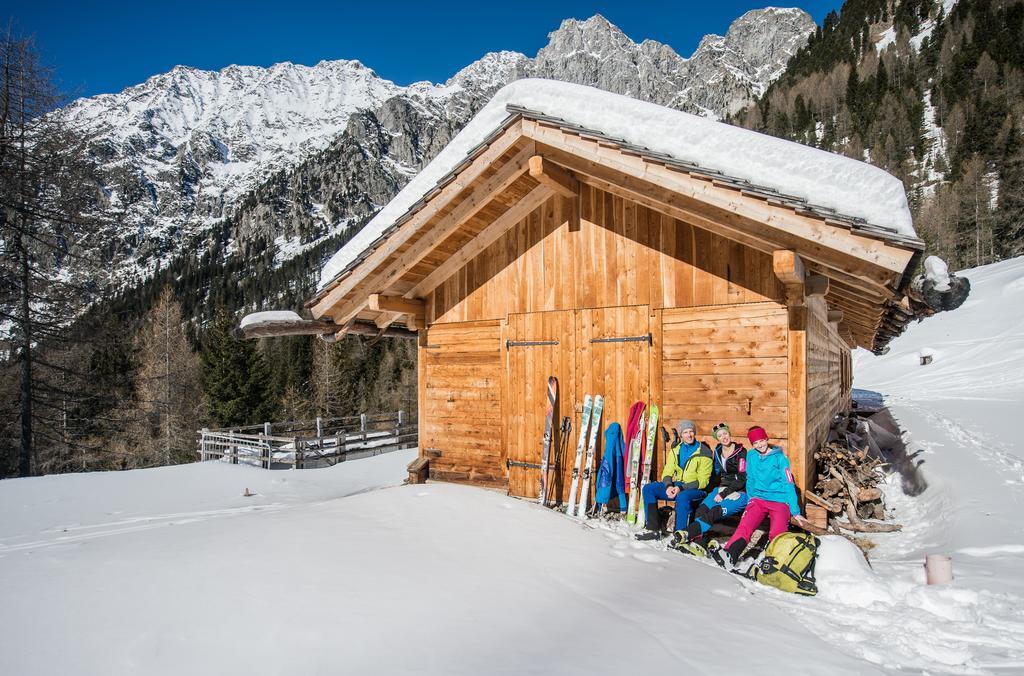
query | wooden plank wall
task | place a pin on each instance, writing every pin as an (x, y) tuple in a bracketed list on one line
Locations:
[(461, 414), (725, 364), (714, 308), (828, 386), (622, 254)]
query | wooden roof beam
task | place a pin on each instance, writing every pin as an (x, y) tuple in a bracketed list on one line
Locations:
[(393, 308), (554, 177), (790, 270), (854, 310), (361, 328), (396, 304), (485, 238), (816, 285), (788, 267), (379, 256)]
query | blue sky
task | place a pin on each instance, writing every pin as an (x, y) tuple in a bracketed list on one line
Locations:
[(104, 47)]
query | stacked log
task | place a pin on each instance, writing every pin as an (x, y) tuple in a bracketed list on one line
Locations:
[(847, 489)]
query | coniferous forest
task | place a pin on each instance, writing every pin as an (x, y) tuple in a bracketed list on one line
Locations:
[(91, 380), (941, 109)]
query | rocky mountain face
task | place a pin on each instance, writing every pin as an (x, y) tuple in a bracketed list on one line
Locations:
[(289, 156)]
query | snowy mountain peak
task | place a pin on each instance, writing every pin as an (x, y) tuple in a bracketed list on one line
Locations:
[(494, 69), (181, 150), (596, 31)]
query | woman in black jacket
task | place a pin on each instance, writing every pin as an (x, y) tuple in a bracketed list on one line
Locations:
[(730, 496)]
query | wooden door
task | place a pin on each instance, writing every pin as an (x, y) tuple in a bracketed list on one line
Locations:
[(461, 408), (613, 360), (538, 345)]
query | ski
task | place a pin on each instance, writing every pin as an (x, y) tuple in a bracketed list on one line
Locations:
[(588, 405), (595, 425), (634, 468), (545, 455), (645, 475)]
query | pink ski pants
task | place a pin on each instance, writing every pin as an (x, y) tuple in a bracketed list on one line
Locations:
[(753, 515)]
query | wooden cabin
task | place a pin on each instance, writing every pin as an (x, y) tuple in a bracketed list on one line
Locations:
[(557, 249)]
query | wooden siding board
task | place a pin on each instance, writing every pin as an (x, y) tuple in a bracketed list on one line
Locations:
[(623, 254), (744, 388), (460, 367)]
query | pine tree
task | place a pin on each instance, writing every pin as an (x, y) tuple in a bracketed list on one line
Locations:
[(235, 377)]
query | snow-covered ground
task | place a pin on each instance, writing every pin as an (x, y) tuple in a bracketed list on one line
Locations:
[(964, 412), (173, 571), (341, 570)]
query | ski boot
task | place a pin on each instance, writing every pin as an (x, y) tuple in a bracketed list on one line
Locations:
[(727, 558), (653, 522), (683, 542)]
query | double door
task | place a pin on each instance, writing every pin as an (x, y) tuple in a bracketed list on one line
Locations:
[(603, 351)]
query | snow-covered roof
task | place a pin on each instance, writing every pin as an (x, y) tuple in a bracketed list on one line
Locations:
[(851, 188)]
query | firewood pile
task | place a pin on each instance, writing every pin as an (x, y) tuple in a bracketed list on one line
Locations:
[(846, 496)]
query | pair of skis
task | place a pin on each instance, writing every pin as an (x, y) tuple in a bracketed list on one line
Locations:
[(545, 456), (591, 419), (635, 451)]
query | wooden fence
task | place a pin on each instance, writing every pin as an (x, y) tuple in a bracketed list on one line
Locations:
[(312, 443)]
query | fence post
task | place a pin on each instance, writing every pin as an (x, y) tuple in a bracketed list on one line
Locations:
[(399, 418), (202, 443), (232, 449), (267, 431), (298, 453), (362, 423)]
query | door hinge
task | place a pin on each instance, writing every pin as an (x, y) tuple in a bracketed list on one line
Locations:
[(528, 343), (649, 339)]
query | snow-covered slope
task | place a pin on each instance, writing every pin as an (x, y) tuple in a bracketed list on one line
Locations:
[(962, 412)]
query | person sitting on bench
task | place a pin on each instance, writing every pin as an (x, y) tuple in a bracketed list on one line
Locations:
[(688, 468), (772, 493)]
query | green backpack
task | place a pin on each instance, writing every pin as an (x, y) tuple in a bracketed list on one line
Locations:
[(788, 564)]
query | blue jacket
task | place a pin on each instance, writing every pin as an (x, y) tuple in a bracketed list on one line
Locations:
[(770, 478), (610, 474)]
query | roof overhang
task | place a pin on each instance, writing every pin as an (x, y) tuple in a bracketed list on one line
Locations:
[(497, 186)]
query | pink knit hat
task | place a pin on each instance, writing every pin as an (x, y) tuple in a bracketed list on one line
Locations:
[(756, 434)]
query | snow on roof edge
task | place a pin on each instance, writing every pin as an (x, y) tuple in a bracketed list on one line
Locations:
[(852, 188)]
